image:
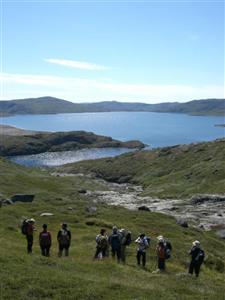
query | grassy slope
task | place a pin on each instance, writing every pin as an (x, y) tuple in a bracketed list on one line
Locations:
[(165, 172), (78, 277)]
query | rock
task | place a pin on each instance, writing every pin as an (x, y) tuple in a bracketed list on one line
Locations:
[(91, 209), (143, 207), (201, 198), (7, 202), (70, 208), (46, 214), (90, 223), (22, 198), (182, 222), (82, 191), (221, 233)]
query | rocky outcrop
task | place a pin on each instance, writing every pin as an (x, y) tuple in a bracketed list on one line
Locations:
[(201, 198), (22, 198), (143, 207), (221, 233), (182, 222), (46, 214)]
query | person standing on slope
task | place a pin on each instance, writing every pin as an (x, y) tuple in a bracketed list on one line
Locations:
[(197, 258), (161, 254), (115, 243), (141, 250), (45, 241), (64, 240), (102, 245), (30, 234)]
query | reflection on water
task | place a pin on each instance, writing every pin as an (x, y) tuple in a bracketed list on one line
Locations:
[(51, 159)]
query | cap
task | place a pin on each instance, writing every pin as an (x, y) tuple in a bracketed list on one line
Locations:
[(196, 243)]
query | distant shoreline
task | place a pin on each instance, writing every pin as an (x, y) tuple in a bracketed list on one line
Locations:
[(219, 125)]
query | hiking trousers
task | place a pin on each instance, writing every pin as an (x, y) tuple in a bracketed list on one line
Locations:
[(194, 267), (100, 250), (123, 253), (45, 250), (63, 247), (161, 264), (29, 243), (116, 252), (141, 255)]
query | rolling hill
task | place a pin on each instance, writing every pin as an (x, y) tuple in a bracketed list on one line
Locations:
[(50, 105)]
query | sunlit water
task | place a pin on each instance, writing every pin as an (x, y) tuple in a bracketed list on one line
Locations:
[(153, 129), (51, 159)]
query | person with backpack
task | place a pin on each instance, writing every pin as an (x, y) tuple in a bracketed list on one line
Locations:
[(115, 243), (64, 240), (141, 249), (102, 245), (161, 253), (197, 258), (125, 241), (45, 241), (28, 229)]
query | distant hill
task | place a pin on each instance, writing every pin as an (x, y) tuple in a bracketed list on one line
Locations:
[(50, 105)]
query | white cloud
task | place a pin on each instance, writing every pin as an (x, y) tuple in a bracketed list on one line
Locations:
[(89, 90), (76, 64)]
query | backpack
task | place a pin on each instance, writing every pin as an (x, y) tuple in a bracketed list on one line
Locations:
[(168, 249), (64, 237), (148, 239), (24, 227), (200, 257), (128, 239), (103, 243), (45, 239)]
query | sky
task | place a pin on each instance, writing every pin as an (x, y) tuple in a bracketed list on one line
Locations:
[(134, 51)]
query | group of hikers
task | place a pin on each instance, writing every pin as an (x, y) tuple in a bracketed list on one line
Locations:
[(117, 242), (45, 238)]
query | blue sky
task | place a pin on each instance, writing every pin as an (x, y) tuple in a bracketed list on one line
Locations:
[(144, 51)]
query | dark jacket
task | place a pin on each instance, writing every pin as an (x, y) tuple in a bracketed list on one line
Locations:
[(197, 254), (64, 237), (115, 241)]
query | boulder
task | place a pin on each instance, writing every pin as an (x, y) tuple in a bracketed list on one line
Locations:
[(201, 198), (82, 191), (22, 198), (7, 202), (46, 214), (182, 222), (221, 233), (91, 209), (143, 207)]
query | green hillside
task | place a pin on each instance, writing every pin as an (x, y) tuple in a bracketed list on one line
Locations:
[(58, 141), (50, 105), (78, 276), (177, 171)]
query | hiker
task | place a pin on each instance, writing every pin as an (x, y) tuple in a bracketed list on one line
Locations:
[(64, 240), (125, 241), (197, 258), (102, 245), (115, 243), (45, 241), (141, 250), (161, 253), (28, 230)]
